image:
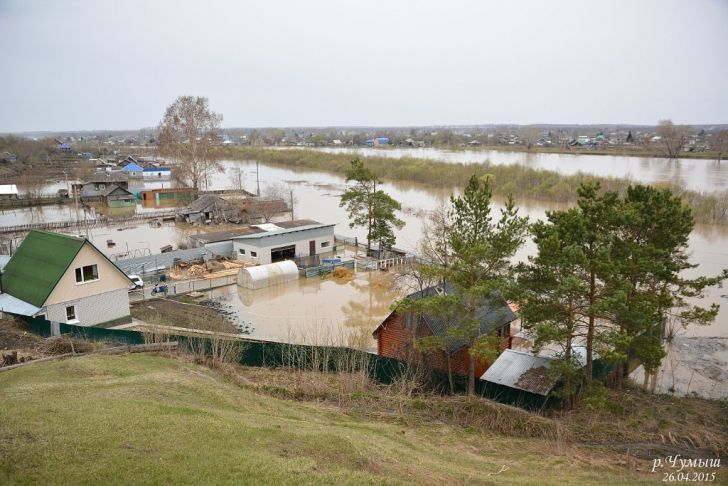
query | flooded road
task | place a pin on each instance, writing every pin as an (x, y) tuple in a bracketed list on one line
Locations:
[(697, 174)]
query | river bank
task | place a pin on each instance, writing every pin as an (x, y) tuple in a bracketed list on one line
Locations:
[(510, 178)]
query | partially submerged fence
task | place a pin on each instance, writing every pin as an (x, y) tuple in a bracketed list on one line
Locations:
[(184, 287), (89, 222)]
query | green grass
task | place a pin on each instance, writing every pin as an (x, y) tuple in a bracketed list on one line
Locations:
[(153, 420)]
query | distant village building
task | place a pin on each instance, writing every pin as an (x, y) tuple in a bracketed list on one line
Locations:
[(64, 279), (8, 157), (117, 197), (8, 191), (210, 208), (378, 141), (156, 172), (98, 184), (133, 170), (396, 333)]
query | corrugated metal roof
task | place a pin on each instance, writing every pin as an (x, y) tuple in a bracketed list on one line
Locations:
[(162, 261), (283, 231), (13, 305), (522, 371)]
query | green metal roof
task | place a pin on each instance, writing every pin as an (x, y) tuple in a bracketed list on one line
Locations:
[(38, 264)]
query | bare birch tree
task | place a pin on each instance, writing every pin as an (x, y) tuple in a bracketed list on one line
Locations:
[(189, 134)]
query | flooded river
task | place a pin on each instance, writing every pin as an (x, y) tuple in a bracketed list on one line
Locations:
[(697, 174)]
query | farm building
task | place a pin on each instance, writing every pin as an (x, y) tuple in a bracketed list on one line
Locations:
[(210, 208), (156, 172), (395, 334), (287, 240), (64, 279), (117, 197)]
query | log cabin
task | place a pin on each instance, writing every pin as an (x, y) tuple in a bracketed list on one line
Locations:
[(395, 335)]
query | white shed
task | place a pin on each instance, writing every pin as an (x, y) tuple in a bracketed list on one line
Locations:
[(263, 276)]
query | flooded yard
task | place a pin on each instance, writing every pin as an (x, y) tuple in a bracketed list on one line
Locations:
[(313, 310)]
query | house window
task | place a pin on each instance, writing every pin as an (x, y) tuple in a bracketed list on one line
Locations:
[(87, 273), (242, 251), (254, 253), (71, 313), (324, 244)]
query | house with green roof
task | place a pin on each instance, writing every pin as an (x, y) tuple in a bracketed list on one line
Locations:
[(64, 279)]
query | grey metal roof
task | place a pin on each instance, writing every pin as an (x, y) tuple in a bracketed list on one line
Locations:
[(492, 313), (282, 231), (522, 371), (161, 261), (13, 305), (113, 187)]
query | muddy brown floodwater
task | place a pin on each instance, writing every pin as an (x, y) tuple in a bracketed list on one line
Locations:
[(314, 310)]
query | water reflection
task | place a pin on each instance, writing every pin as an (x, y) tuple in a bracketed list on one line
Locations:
[(697, 174)]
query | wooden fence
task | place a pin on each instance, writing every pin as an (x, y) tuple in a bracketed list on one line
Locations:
[(101, 221)]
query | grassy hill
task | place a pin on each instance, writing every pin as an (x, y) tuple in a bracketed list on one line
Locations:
[(150, 419)]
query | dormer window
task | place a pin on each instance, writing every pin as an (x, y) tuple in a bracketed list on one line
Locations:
[(87, 273)]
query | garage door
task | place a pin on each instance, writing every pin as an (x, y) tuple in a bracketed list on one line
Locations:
[(283, 253)]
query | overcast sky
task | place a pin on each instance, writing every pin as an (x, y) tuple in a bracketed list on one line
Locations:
[(73, 65)]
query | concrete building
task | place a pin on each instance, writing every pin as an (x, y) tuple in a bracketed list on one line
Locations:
[(287, 240), (64, 279)]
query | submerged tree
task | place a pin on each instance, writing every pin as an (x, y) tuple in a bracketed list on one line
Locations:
[(370, 207), (672, 137), (189, 134), (608, 273), (647, 285)]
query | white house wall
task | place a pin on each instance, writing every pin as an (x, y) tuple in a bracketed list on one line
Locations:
[(93, 309), (263, 246)]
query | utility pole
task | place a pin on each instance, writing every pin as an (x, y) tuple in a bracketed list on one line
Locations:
[(291, 205), (257, 179)]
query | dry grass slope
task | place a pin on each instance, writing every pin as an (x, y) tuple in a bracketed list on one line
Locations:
[(151, 419)]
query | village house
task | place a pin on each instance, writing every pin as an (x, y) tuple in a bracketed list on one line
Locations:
[(133, 170), (396, 333), (64, 279), (117, 197), (94, 188)]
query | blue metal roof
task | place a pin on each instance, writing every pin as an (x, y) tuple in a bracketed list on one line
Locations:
[(156, 169), (132, 167)]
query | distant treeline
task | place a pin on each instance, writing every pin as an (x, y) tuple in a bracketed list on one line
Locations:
[(520, 181)]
